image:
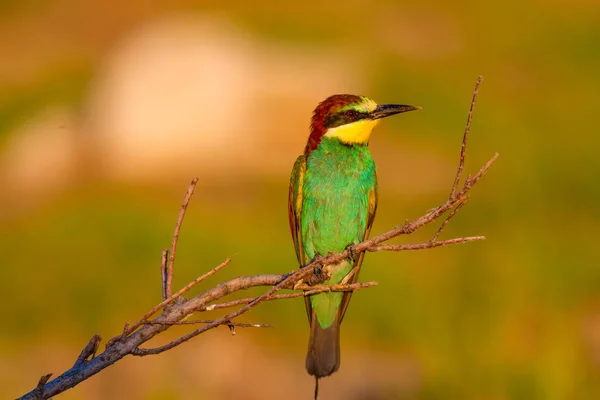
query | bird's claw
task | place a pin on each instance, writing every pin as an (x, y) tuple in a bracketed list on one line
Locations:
[(352, 254), (317, 275)]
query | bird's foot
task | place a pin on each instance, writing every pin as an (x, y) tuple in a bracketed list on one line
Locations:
[(352, 254), (318, 273)]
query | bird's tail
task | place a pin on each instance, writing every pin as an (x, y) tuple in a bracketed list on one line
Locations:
[(323, 357)]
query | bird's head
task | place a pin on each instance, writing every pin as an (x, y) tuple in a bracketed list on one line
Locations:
[(349, 118)]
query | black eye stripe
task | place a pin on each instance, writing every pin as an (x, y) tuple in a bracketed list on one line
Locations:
[(342, 118)]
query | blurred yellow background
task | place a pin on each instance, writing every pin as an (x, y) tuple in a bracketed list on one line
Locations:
[(108, 109)]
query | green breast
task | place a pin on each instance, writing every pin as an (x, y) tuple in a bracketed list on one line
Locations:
[(336, 191)]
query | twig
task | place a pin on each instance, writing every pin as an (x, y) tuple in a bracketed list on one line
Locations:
[(164, 275), (89, 350), (463, 149), (463, 201), (171, 263), (39, 390), (342, 287), (472, 181), (207, 321), (422, 246), (347, 278)]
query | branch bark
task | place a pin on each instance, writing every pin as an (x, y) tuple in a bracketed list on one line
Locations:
[(175, 307)]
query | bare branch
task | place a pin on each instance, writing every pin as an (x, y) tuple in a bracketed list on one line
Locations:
[(89, 350), (422, 246), (207, 321), (176, 308), (347, 278), (463, 149), (39, 390), (463, 201), (164, 274), (171, 263), (472, 181)]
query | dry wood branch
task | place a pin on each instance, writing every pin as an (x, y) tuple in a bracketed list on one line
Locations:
[(423, 246), (208, 321), (463, 148), (38, 392), (164, 274), (448, 218), (176, 308), (89, 350), (171, 263)]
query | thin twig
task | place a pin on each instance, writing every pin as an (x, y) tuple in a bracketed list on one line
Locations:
[(472, 181), (163, 273), (171, 263), (341, 287), (347, 278), (39, 390), (206, 321), (422, 246), (463, 201), (463, 148), (89, 350)]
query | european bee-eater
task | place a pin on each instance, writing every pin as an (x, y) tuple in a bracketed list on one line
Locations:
[(332, 204)]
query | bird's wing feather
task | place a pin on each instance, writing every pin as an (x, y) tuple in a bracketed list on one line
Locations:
[(295, 214), (370, 218), (295, 206)]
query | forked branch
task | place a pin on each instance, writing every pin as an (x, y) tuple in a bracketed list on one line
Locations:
[(175, 308)]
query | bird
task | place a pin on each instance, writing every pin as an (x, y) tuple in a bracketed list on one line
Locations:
[(331, 207)]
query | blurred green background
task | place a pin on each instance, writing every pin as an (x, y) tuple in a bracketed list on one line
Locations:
[(108, 109)]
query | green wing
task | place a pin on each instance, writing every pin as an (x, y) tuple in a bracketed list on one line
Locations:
[(295, 207), (295, 214)]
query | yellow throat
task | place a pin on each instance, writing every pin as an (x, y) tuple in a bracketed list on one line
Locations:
[(354, 133)]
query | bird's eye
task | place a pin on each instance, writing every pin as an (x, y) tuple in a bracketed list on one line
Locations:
[(351, 114)]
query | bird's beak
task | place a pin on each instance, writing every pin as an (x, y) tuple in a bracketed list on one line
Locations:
[(385, 110)]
